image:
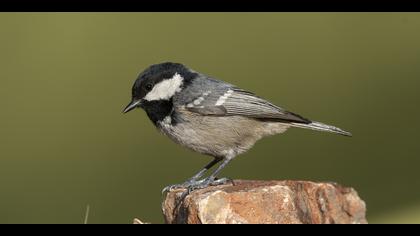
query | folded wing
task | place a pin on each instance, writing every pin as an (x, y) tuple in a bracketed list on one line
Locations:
[(232, 101)]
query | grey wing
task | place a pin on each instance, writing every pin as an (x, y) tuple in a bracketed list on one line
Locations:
[(233, 101)]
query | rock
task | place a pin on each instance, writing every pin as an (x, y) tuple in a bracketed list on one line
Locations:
[(266, 202)]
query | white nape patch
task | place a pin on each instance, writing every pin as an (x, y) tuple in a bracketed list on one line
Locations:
[(223, 98), (165, 89)]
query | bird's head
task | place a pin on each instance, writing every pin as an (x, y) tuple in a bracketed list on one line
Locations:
[(159, 83)]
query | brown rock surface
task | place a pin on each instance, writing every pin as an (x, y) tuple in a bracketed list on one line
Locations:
[(270, 202)]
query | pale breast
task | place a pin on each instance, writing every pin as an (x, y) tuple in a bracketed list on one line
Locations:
[(218, 136)]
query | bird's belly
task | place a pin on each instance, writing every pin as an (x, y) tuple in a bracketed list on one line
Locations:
[(218, 136)]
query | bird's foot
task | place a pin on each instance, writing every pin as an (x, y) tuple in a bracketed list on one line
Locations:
[(208, 182), (184, 185), (192, 185)]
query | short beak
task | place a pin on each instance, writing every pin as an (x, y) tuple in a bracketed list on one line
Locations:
[(132, 105)]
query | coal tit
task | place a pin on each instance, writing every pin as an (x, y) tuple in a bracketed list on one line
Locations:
[(210, 116)]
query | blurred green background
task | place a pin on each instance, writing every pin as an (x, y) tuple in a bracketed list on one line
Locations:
[(65, 78)]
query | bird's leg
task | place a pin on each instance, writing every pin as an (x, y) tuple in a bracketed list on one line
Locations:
[(211, 180), (195, 179), (204, 170)]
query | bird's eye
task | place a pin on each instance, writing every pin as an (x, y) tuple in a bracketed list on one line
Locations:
[(149, 87)]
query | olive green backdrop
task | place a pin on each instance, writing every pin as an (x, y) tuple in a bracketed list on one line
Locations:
[(65, 78)]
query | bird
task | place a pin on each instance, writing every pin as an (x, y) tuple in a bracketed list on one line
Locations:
[(210, 116)]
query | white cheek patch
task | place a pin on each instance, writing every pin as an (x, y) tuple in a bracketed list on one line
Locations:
[(165, 89)]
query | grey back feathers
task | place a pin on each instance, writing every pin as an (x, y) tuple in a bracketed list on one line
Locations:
[(212, 97)]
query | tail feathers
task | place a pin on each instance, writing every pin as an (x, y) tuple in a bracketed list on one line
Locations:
[(322, 127)]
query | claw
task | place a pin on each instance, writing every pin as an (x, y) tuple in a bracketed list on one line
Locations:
[(198, 184), (172, 187), (184, 185), (208, 182), (221, 181)]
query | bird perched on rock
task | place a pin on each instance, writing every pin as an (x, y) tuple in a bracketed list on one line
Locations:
[(210, 116)]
